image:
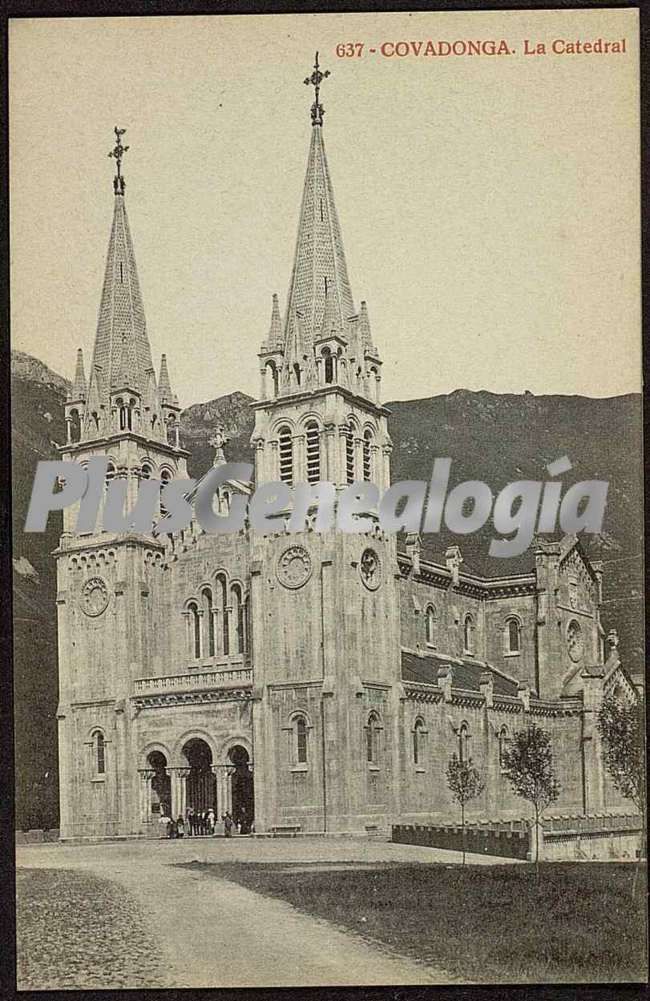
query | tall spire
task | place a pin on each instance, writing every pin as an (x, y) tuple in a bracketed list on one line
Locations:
[(319, 272), (164, 385), (121, 356), (78, 391)]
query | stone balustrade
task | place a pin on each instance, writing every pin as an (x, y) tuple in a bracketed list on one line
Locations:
[(235, 678)]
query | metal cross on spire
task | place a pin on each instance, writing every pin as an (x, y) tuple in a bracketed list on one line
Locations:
[(118, 152), (315, 80)]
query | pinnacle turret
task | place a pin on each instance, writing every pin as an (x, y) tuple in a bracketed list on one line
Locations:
[(79, 388)]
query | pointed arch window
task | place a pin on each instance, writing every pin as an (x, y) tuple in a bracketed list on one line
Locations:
[(373, 728), (463, 742), (504, 741), (349, 452), (313, 451), (296, 373), (222, 599), (513, 636), (271, 379), (208, 621), (286, 454), (99, 753), (146, 471), (194, 630), (74, 426), (468, 634), (419, 736), (367, 455), (328, 362), (430, 620), (165, 478), (238, 618)]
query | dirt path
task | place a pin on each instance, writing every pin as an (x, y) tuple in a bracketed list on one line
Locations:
[(213, 933)]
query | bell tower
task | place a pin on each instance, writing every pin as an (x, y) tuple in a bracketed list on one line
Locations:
[(328, 683), (320, 415), (108, 583)]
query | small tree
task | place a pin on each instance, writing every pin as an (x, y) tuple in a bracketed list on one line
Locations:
[(622, 732), (465, 784), (528, 762)]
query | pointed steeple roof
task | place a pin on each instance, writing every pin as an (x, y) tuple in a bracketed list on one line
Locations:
[(121, 356), (274, 338), (78, 391), (164, 385), (319, 272)]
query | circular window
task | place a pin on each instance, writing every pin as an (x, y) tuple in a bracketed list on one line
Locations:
[(370, 569), (294, 567), (94, 596), (574, 640)]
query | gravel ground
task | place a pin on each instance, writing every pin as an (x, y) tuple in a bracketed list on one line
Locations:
[(76, 930)]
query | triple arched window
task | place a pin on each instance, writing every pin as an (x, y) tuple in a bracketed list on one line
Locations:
[(217, 623)]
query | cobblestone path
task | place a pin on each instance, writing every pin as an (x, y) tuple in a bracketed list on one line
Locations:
[(75, 930)]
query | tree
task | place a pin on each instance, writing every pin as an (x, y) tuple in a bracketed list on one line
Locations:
[(465, 784), (528, 762), (622, 732)]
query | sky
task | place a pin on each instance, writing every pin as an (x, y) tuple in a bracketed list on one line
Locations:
[(488, 204)]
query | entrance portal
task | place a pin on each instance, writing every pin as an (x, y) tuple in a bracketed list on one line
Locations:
[(201, 793), (243, 802)]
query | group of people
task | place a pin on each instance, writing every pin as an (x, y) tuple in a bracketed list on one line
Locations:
[(200, 823)]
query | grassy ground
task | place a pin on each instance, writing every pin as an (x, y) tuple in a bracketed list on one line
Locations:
[(488, 924), (77, 931)]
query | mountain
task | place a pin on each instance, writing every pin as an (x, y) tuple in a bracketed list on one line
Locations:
[(491, 437)]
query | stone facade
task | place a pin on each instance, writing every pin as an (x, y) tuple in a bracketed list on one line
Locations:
[(312, 681)]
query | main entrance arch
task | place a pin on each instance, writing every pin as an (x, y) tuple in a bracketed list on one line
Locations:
[(201, 792), (241, 788)]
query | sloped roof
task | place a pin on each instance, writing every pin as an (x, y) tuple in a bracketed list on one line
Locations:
[(466, 672)]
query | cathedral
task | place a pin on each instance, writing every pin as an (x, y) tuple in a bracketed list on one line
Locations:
[(309, 682)]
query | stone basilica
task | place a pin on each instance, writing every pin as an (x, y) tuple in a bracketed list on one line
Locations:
[(305, 682)]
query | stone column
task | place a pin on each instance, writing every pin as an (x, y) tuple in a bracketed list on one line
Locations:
[(178, 791), (299, 458), (358, 458), (146, 775)]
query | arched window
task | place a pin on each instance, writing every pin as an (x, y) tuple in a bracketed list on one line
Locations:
[(463, 742), (208, 621), (271, 380), (513, 636), (238, 617), (99, 753), (126, 419), (313, 452), (300, 740), (222, 598), (575, 643), (110, 473), (165, 478), (419, 733), (372, 738), (328, 362), (75, 426), (468, 634), (146, 471), (349, 452), (194, 621), (286, 455), (367, 455), (296, 373), (431, 625), (504, 740), (374, 388)]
